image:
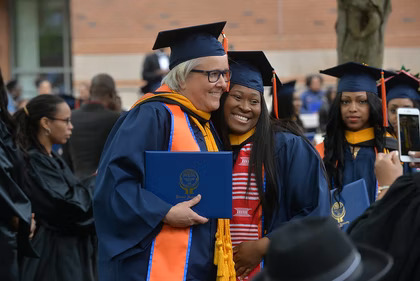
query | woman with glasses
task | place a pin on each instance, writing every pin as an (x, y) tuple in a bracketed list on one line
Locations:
[(64, 239), (277, 174), (141, 237)]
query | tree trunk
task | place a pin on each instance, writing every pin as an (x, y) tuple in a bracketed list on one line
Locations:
[(360, 30)]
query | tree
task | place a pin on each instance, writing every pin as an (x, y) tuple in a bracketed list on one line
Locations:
[(360, 30)]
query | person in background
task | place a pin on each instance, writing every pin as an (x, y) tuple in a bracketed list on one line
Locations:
[(16, 218), (43, 86), (289, 104), (92, 123), (269, 157), (134, 226), (324, 111), (155, 67), (65, 239), (355, 132), (83, 96), (14, 93), (314, 249), (403, 90), (312, 97)]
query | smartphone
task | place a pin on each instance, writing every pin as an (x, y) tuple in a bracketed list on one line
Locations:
[(408, 132)]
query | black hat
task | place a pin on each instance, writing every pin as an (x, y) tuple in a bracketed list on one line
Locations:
[(287, 88), (402, 85), (251, 69), (315, 249), (356, 77), (191, 42)]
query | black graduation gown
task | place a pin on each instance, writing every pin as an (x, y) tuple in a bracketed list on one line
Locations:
[(392, 224), (13, 203), (65, 239)]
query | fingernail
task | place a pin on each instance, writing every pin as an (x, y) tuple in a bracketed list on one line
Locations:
[(412, 153)]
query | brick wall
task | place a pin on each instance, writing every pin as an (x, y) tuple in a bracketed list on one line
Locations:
[(4, 40), (131, 26)]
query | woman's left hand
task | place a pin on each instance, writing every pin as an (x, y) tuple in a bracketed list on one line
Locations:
[(248, 255)]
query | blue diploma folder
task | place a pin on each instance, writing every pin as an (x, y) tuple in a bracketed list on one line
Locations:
[(353, 201), (180, 176)]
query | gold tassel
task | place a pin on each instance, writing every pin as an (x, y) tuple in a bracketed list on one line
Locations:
[(223, 254)]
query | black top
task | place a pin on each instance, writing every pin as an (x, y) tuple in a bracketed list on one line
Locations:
[(92, 124)]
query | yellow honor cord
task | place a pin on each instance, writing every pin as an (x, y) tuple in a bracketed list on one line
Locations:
[(223, 254)]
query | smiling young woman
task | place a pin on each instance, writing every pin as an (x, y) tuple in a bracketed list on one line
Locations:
[(268, 160)]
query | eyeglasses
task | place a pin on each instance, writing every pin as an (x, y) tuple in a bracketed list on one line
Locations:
[(214, 75), (67, 120)]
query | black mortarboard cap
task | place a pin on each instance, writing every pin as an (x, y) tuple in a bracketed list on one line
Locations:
[(356, 77), (287, 88), (191, 42), (251, 69)]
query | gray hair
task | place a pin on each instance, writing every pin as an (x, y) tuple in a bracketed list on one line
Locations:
[(179, 74)]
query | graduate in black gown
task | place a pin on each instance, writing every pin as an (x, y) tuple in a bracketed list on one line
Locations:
[(64, 239), (15, 207)]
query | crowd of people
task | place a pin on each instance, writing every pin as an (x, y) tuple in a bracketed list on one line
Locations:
[(73, 197)]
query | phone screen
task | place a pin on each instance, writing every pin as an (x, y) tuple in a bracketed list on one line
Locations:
[(409, 133)]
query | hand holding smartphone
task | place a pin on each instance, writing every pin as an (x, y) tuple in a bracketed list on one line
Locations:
[(409, 133)]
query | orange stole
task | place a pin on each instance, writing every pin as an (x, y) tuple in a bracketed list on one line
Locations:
[(170, 251), (320, 148)]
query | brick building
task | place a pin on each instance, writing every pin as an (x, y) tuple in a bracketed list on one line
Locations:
[(72, 40)]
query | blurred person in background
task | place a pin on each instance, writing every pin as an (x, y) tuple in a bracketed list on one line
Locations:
[(403, 90), (43, 86), (289, 104), (92, 123), (14, 93), (312, 97), (16, 217), (83, 94), (65, 239), (155, 67), (327, 102)]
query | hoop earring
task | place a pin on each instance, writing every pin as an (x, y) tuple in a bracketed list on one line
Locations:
[(47, 131)]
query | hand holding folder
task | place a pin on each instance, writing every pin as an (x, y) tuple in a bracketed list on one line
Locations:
[(181, 215)]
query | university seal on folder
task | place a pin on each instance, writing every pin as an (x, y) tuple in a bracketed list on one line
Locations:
[(180, 176), (352, 202)]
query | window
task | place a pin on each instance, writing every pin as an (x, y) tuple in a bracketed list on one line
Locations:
[(41, 44)]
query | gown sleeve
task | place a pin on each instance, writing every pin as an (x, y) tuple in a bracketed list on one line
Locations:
[(125, 213), (59, 200), (302, 185)]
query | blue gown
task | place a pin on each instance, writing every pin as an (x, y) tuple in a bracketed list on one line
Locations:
[(127, 216), (361, 167), (302, 185)]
